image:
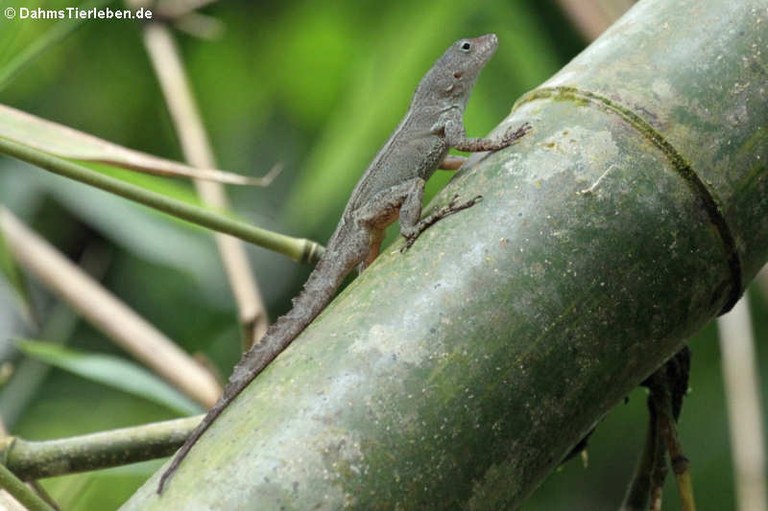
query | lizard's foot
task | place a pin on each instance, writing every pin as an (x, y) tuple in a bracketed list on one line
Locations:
[(452, 207)]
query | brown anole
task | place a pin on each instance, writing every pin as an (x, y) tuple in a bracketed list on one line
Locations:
[(391, 188)]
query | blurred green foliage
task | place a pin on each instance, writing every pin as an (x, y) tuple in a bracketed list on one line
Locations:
[(319, 87)]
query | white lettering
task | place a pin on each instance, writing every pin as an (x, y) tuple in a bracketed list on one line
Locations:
[(40, 14), (94, 13)]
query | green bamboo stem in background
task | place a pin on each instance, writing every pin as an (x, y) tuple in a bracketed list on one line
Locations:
[(297, 249), (37, 459)]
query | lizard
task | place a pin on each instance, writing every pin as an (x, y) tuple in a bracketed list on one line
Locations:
[(391, 188)]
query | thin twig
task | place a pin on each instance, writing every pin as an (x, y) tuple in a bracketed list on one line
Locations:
[(742, 390), (196, 146), (295, 248), (668, 429), (667, 387), (649, 470), (117, 447)]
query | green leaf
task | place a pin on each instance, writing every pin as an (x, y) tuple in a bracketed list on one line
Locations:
[(65, 142), (111, 371)]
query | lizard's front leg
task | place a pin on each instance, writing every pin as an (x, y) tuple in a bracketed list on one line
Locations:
[(452, 127)]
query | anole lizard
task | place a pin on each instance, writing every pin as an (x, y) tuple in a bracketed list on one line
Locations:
[(391, 188)]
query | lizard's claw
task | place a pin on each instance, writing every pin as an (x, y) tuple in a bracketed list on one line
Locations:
[(512, 135), (409, 241), (454, 206), (471, 202)]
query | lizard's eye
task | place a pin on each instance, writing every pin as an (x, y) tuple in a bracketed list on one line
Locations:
[(466, 46)]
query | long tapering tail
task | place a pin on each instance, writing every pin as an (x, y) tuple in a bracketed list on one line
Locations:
[(317, 293)]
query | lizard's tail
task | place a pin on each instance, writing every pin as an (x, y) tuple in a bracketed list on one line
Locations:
[(317, 293)]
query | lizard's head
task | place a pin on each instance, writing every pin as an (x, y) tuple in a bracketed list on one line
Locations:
[(454, 74)]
